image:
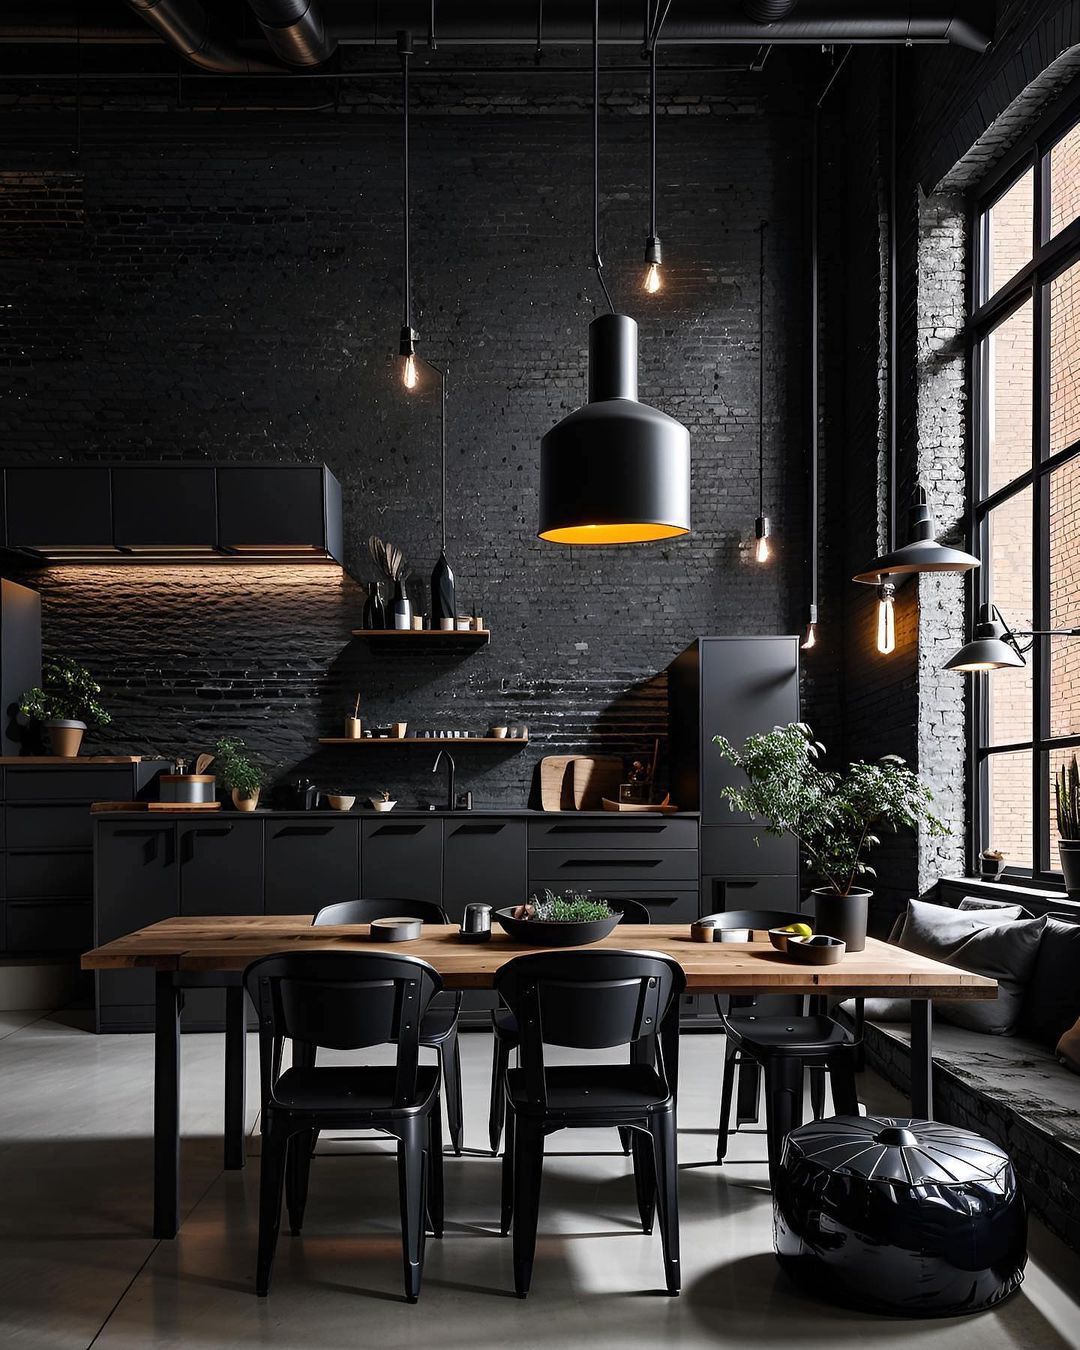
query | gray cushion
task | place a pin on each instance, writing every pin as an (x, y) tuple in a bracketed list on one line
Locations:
[(1052, 1004), (979, 902)]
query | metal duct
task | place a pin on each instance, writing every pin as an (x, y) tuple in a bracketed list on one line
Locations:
[(185, 25), (295, 31), (768, 11)]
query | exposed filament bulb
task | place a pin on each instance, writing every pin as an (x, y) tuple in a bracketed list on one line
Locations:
[(408, 374), (886, 619), (651, 284)]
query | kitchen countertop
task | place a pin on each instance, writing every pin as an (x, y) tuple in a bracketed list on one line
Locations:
[(411, 814)]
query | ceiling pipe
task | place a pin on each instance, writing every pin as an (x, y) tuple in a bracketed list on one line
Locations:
[(768, 11), (185, 26), (295, 31)]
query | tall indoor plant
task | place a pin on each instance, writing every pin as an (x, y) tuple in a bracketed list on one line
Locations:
[(833, 816), (65, 704), (1067, 802)]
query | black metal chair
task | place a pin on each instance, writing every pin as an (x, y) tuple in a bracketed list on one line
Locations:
[(346, 1001), (440, 1029), (506, 1039), (591, 1000), (777, 1035)]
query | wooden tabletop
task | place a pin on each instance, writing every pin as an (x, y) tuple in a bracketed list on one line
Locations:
[(229, 943)]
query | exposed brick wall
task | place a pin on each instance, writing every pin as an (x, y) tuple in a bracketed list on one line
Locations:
[(227, 286)]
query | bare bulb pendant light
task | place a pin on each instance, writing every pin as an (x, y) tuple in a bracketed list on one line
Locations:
[(810, 640), (653, 253), (408, 336), (614, 471), (761, 525)]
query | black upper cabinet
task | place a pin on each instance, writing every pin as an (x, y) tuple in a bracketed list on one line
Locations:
[(272, 508), (168, 507), (59, 509)]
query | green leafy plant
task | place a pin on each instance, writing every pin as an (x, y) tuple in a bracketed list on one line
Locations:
[(833, 816), (1067, 800), (68, 692), (235, 769), (568, 909)]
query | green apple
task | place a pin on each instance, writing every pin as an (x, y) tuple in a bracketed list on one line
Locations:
[(798, 930)]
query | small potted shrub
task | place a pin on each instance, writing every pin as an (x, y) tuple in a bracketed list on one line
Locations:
[(991, 864), (1067, 802), (238, 773), (833, 816), (383, 802), (65, 705), (559, 920)]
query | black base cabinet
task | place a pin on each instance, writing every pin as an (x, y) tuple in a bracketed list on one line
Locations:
[(311, 863)]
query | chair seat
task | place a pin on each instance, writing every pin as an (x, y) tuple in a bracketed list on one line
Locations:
[(589, 1089), (350, 1090), (786, 1035)]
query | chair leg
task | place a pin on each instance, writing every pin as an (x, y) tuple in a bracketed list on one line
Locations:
[(644, 1177), (860, 1027), (783, 1104), (663, 1143), (412, 1185), (508, 1176), (842, 1076), (271, 1184), (435, 1202), (626, 1139), (500, 1062), (730, 1064), (297, 1176), (528, 1172), (817, 1090), (749, 1092), (450, 1063)]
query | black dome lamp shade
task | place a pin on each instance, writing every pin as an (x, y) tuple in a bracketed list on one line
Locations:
[(922, 552), (615, 471)]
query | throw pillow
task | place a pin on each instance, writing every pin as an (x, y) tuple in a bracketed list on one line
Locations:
[(1068, 1048), (1052, 1004)]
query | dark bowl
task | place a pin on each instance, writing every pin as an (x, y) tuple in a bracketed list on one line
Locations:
[(537, 933), (819, 950)]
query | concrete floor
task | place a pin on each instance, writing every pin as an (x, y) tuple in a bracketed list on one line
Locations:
[(78, 1267)]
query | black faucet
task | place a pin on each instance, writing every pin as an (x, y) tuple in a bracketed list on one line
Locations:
[(445, 754)]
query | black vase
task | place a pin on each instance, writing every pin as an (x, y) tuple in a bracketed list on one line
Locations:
[(1069, 852), (374, 606), (401, 608), (443, 594)]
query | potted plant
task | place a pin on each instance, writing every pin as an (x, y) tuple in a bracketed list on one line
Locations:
[(383, 802), (991, 864), (65, 704), (833, 816), (238, 773), (1067, 801), (559, 920)]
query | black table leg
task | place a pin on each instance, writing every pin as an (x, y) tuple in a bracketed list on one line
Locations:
[(166, 1106), (922, 1058), (235, 1074)]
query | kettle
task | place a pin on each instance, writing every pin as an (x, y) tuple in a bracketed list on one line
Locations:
[(305, 794)]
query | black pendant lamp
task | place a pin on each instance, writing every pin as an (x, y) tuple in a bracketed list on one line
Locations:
[(443, 590), (810, 639), (653, 253), (408, 337), (761, 525), (615, 471)]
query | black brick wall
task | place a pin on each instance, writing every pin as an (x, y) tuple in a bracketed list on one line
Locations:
[(200, 284)]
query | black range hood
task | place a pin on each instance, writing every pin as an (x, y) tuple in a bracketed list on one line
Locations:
[(171, 513)]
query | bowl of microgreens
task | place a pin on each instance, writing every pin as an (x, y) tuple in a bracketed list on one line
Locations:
[(554, 920)]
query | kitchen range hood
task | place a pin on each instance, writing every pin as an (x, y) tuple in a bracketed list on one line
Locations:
[(171, 513)]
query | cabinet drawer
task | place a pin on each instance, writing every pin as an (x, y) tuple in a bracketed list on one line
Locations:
[(618, 832), (88, 785), (63, 825), (746, 850), (50, 874), (49, 925), (723, 893), (675, 905), (310, 864), (590, 868), (402, 860), (483, 861)]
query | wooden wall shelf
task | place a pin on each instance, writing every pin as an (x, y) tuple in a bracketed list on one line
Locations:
[(515, 742), (423, 637)]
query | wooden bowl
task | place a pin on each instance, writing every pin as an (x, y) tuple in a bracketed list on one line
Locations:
[(818, 950), (538, 933)]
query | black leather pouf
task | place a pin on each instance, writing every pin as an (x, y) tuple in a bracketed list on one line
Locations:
[(908, 1217)]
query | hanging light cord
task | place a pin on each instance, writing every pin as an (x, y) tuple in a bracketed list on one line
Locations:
[(814, 338), (404, 49), (598, 262), (761, 374), (652, 141), (894, 353)]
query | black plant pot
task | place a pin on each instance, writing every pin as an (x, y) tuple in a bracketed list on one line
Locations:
[(1069, 849), (843, 916)]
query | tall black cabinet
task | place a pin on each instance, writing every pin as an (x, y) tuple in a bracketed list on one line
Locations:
[(734, 686)]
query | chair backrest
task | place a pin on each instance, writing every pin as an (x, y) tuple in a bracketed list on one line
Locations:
[(363, 911), (344, 1001), (588, 1001), (633, 911), (753, 918)]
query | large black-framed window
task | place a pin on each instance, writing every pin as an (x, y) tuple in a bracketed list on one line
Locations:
[(1024, 332)]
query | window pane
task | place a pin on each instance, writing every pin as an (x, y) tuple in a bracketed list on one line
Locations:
[(1056, 759), (1065, 181), (1065, 598), (1009, 398), (1064, 295), (1010, 222), (1010, 815), (1009, 580)]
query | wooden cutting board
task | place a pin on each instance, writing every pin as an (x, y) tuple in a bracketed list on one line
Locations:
[(155, 806), (555, 788), (593, 778)]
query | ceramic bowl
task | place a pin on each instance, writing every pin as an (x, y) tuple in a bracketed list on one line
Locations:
[(536, 933), (338, 802), (780, 937), (383, 806), (818, 950)]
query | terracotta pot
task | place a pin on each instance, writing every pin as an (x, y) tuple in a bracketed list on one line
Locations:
[(65, 737), (843, 916), (245, 803)]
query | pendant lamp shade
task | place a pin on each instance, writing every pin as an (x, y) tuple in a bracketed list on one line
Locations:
[(922, 552), (615, 471), (989, 648)]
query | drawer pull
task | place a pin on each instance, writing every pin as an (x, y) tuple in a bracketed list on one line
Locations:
[(611, 862), (397, 829), (303, 831), (493, 828), (598, 828)]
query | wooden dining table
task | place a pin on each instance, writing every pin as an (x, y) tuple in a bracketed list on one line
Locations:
[(214, 952)]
